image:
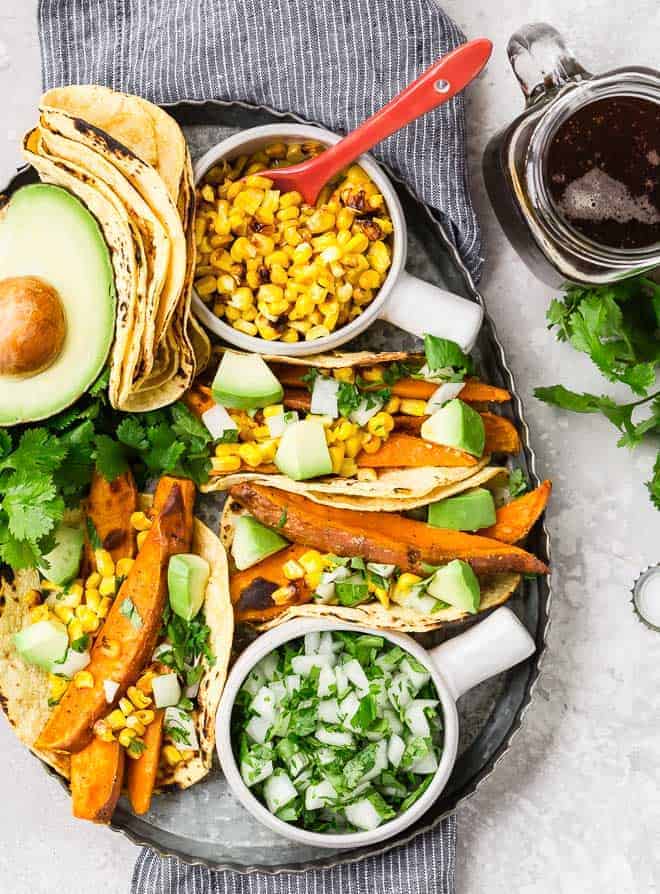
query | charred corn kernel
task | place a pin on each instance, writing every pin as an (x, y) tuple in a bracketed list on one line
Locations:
[(282, 594), (63, 612), (379, 256), (270, 292), (138, 698), (354, 445), (226, 284), (292, 236), (145, 716), (278, 258), (311, 561), (171, 755), (348, 468), (32, 598), (245, 326), (337, 456), (382, 595), (103, 731), (83, 680), (407, 580), (370, 279), (278, 275), (313, 579), (57, 686), (187, 755), (393, 405), (126, 736), (75, 630), (136, 749), (141, 537), (290, 199), (206, 286), (373, 374), (223, 464), (292, 570), (123, 567), (116, 719), (364, 474), (250, 454), (290, 336), (357, 244), (371, 445), (108, 586), (126, 706), (261, 432), (140, 521), (133, 723), (145, 681), (345, 219), (93, 599), (413, 407), (232, 313), (290, 213), (104, 607), (273, 410), (268, 450), (109, 647), (381, 424), (104, 564), (94, 579), (39, 613), (88, 618), (344, 375)]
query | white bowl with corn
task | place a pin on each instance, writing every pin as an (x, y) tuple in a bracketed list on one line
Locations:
[(277, 276)]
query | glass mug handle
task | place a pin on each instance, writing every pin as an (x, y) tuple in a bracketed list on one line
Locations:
[(541, 61)]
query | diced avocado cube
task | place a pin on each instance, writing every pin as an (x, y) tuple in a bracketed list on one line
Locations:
[(303, 451), (465, 512), (254, 542), (457, 585), (42, 643), (187, 576), (245, 382), (456, 425), (61, 564)]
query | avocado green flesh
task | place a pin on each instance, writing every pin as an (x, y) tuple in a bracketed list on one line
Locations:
[(61, 564), (42, 643), (303, 451), (254, 542), (466, 512), (187, 577), (46, 232), (244, 382), (457, 585), (456, 425)]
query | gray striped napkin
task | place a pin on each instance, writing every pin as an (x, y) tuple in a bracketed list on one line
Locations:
[(334, 62)]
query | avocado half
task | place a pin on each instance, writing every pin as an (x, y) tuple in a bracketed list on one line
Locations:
[(57, 303)]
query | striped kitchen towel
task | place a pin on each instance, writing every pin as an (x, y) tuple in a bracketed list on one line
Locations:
[(333, 62)]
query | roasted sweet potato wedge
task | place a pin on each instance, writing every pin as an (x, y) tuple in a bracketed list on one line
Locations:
[(141, 772), (378, 536), (514, 521), (252, 590), (109, 507), (97, 774), (405, 451), (133, 621)]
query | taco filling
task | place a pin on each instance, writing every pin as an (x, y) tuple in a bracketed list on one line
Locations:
[(292, 556), (355, 417), (113, 656)]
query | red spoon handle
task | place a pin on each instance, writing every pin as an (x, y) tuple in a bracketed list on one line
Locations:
[(442, 80)]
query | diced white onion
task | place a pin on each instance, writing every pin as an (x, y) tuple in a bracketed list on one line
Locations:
[(364, 413), (327, 682), (181, 720), (329, 710), (279, 791), (319, 795), (445, 392), (324, 397), (166, 690), (218, 421), (395, 749), (417, 678), (363, 815), (303, 664), (425, 765), (111, 689), (356, 675), (73, 662), (312, 642), (257, 729), (336, 738), (277, 424), (264, 703)]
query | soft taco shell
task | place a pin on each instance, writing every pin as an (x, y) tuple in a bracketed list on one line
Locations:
[(495, 590), (394, 489), (24, 688)]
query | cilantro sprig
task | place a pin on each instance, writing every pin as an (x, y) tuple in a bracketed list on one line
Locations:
[(618, 327)]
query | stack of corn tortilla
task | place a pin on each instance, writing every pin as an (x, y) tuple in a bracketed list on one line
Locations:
[(128, 161)]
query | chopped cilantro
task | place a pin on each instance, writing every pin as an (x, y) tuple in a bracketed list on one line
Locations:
[(178, 735), (81, 644), (136, 746), (282, 519), (517, 483), (93, 534), (128, 610)]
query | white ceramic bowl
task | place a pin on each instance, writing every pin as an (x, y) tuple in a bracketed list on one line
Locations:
[(410, 303), (493, 645)]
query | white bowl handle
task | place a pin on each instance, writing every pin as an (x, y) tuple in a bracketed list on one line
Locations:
[(494, 645), (419, 307)]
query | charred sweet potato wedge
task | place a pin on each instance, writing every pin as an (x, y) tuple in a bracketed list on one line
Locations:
[(378, 536), (141, 772), (97, 774), (514, 521), (133, 621), (108, 508), (404, 451), (252, 589)]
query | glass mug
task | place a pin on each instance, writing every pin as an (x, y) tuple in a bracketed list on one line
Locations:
[(521, 183)]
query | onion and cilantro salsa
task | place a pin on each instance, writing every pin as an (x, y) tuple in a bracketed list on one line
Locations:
[(337, 731)]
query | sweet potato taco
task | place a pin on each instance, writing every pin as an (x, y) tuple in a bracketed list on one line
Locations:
[(120, 690), (354, 430), (291, 557)]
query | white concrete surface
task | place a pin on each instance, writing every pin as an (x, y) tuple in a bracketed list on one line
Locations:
[(575, 807)]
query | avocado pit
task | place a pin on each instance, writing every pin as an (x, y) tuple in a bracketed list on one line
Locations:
[(32, 326)]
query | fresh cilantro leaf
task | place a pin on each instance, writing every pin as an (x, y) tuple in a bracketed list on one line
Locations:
[(282, 519), (31, 504), (654, 484), (416, 794), (131, 432), (310, 377), (442, 353), (128, 610), (37, 450), (136, 746), (101, 384), (518, 484), (393, 372), (92, 534), (229, 436), (165, 450), (365, 714), (81, 644), (5, 443), (349, 398), (16, 552), (187, 425), (178, 735), (110, 457)]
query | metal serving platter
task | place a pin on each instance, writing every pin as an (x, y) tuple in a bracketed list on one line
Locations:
[(205, 824)]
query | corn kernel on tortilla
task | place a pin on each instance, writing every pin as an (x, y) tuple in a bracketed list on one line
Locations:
[(24, 688)]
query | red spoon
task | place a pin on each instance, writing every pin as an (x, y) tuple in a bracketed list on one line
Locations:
[(442, 80)]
